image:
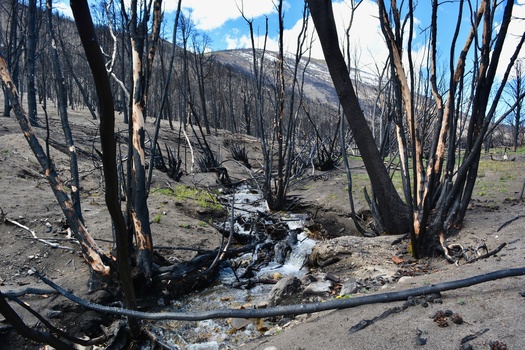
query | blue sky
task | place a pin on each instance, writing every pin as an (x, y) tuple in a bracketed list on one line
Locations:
[(221, 20)]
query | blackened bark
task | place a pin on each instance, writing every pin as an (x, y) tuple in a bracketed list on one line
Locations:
[(139, 210), (393, 210), (30, 57), (62, 111), (96, 62), (95, 257)]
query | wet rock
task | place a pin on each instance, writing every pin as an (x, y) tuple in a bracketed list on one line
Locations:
[(239, 323), (287, 291), (308, 278), (349, 287), (318, 288), (281, 251), (332, 277), (329, 252)]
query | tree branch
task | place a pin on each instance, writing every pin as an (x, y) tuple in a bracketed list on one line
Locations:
[(293, 309)]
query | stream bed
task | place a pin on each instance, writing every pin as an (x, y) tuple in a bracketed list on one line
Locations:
[(271, 260)]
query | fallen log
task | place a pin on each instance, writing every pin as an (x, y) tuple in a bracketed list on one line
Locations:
[(292, 309)]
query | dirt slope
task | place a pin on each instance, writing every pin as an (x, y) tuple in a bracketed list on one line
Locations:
[(496, 306)]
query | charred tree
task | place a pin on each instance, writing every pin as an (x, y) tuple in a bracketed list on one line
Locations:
[(96, 62), (394, 214), (93, 254), (441, 188), (62, 111), (141, 71), (30, 61)]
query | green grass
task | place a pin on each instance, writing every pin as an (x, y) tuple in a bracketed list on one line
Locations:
[(205, 199), (510, 151), (157, 218)]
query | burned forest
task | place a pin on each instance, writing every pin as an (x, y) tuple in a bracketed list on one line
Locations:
[(157, 193)]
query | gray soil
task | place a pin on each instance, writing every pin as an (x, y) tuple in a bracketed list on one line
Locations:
[(491, 312)]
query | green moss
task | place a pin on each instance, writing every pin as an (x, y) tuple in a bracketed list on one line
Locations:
[(331, 196), (346, 296)]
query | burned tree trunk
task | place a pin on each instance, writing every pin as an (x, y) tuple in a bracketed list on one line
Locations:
[(62, 111), (96, 62), (139, 207), (393, 211), (92, 253), (30, 61)]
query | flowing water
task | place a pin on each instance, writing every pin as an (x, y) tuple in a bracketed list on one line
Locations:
[(228, 334)]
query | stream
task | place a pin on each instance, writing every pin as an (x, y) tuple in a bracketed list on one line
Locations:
[(281, 257)]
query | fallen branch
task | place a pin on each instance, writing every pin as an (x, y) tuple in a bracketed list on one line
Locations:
[(510, 221), (292, 309), (51, 244), (54, 330), (365, 323), (27, 332), (473, 336), (29, 290), (484, 256)]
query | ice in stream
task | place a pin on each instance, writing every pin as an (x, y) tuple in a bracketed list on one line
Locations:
[(220, 334)]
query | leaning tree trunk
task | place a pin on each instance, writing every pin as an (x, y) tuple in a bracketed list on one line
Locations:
[(62, 111), (393, 211), (92, 253)]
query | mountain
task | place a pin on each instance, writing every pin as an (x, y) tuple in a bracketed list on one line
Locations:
[(318, 86)]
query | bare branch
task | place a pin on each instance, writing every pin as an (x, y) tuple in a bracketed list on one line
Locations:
[(293, 309)]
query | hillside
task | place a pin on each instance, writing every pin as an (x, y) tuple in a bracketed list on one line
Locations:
[(490, 311)]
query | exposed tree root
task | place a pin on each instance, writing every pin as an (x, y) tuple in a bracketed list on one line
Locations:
[(491, 253)]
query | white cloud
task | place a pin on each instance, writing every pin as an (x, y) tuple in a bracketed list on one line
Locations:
[(515, 31), (63, 8), (367, 45), (211, 14)]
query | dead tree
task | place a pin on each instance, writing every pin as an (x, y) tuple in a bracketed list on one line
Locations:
[(393, 211), (32, 35), (441, 190), (137, 192), (62, 111), (517, 92), (93, 254)]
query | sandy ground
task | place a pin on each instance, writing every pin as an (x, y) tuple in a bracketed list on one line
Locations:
[(493, 311)]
